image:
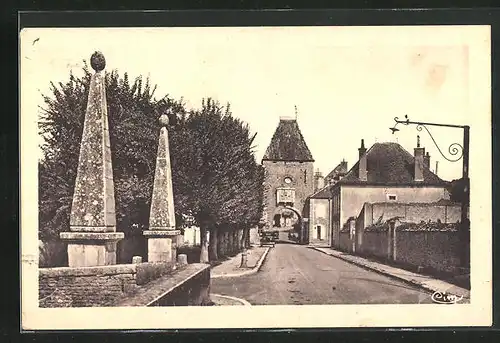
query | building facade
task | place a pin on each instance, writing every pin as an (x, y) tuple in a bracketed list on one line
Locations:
[(320, 218), (384, 173), (319, 205), (289, 179)]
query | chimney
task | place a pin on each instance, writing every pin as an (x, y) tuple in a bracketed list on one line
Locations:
[(436, 172), (362, 172), (319, 180), (344, 166), (419, 162), (427, 160)]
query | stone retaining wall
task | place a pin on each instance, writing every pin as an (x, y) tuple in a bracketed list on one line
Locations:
[(189, 287), (434, 249), (437, 250), (96, 286), (85, 286)]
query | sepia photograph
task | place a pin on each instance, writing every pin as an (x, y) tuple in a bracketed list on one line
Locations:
[(221, 177)]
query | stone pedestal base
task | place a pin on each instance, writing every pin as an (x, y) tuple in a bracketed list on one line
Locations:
[(162, 245), (88, 249)]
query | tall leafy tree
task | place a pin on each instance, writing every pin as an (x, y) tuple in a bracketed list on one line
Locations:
[(227, 179), (456, 188)]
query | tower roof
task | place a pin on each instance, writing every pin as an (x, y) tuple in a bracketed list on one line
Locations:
[(288, 144)]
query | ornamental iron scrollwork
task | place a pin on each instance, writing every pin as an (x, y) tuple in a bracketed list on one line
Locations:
[(455, 149)]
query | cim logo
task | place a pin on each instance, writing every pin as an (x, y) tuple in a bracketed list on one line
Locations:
[(445, 298)]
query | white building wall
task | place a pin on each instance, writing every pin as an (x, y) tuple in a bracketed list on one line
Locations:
[(192, 236)]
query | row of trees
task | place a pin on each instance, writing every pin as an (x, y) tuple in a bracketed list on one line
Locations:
[(216, 179)]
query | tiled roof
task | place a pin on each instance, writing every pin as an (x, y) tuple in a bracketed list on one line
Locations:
[(340, 169), (441, 202), (324, 193), (288, 144), (390, 164)]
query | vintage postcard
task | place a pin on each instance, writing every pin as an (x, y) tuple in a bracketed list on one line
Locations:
[(255, 177)]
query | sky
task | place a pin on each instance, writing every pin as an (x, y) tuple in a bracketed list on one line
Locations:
[(348, 83)]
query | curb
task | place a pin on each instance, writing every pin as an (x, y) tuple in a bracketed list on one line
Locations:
[(383, 272), (240, 300), (246, 272)]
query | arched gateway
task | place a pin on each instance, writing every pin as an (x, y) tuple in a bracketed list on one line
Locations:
[(289, 180), (286, 217), (295, 225)]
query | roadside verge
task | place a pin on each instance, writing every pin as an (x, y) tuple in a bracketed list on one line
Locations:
[(229, 268)]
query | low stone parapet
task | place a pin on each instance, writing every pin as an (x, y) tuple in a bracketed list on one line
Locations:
[(125, 284), (85, 286), (188, 287)]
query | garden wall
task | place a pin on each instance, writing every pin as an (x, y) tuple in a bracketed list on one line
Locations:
[(438, 250), (375, 243)]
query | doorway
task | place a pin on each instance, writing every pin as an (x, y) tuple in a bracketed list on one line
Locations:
[(277, 220)]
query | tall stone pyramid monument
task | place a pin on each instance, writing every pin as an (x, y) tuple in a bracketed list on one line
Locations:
[(92, 237)]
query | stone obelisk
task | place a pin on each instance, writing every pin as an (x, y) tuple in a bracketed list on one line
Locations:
[(92, 238), (162, 233)]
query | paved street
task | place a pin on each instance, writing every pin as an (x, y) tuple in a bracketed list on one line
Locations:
[(295, 274)]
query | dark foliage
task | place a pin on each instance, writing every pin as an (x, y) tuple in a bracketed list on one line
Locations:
[(457, 190), (221, 167), (216, 179)]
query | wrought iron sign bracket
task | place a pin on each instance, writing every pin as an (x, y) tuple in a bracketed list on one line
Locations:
[(455, 149)]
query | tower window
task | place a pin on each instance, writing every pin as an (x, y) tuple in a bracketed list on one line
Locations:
[(305, 176)]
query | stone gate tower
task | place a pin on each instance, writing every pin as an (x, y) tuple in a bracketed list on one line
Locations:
[(288, 164)]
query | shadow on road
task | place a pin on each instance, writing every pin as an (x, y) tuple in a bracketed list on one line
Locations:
[(382, 282), (286, 242)]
